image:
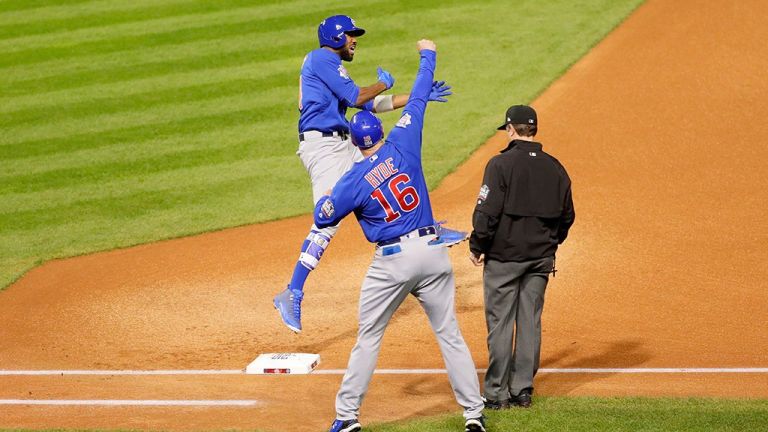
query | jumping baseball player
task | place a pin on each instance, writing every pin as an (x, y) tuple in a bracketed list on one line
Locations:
[(325, 93), (388, 194)]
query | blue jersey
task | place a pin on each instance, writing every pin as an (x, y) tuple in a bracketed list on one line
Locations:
[(325, 93), (387, 191)]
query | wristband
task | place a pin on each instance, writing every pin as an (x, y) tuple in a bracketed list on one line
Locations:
[(383, 103)]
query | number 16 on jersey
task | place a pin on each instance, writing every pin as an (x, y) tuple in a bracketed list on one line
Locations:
[(406, 196)]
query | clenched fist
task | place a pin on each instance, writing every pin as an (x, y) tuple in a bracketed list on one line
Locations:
[(426, 44)]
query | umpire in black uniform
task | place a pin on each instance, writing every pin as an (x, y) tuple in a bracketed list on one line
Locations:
[(523, 213)]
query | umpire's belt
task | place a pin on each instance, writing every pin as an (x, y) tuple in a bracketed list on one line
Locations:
[(317, 134), (421, 232)]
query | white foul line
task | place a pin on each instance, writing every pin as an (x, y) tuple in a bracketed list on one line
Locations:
[(161, 403), (385, 371), (657, 370), (565, 370), (124, 372)]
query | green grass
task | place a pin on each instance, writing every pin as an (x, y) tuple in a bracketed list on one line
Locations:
[(126, 122), (551, 414), (580, 414)]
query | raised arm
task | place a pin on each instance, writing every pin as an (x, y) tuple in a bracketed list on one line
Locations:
[(367, 94), (422, 86), (385, 82), (407, 132), (383, 103)]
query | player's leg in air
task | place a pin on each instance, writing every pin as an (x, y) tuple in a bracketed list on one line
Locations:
[(288, 302), (326, 160)]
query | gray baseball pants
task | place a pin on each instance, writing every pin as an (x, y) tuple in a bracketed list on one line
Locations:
[(423, 270), (514, 300), (326, 159)]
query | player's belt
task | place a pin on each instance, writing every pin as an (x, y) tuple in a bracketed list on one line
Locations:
[(421, 232), (317, 134)]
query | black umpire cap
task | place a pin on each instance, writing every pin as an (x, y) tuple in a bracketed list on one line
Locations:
[(519, 114)]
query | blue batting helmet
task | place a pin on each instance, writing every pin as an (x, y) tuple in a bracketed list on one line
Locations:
[(365, 129), (333, 31)]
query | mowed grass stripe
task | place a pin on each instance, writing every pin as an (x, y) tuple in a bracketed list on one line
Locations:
[(129, 80), (115, 171), (64, 73), (82, 85), (184, 183), (185, 28), (134, 42), (62, 116), (105, 13), (129, 135), (13, 6), (124, 185), (28, 80), (245, 180), (70, 13), (137, 150), (198, 29), (169, 110), (166, 77), (145, 24), (167, 217), (222, 52), (102, 172), (161, 97), (23, 113)]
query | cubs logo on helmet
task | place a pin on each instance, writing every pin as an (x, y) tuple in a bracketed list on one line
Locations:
[(333, 31), (365, 129)]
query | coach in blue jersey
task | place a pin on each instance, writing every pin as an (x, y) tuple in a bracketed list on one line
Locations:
[(388, 194), (325, 93)]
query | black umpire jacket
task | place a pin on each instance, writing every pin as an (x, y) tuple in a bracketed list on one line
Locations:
[(525, 207)]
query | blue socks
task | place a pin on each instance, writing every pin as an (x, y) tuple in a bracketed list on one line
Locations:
[(311, 251), (300, 274)]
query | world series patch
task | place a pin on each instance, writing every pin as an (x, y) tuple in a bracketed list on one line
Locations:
[(343, 72), (404, 121), (483, 195), (327, 209)]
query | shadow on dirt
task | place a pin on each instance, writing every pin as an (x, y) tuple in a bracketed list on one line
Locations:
[(408, 307), (619, 354)]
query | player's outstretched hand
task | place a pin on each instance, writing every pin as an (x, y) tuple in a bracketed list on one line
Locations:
[(426, 44), (440, 90), (386, 78)]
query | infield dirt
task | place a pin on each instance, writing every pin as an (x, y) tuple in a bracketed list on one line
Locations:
[(661, 127)]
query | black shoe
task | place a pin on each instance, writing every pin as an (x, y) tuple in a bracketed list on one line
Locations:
[(475, 424), (522, 400), (496, 404)]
